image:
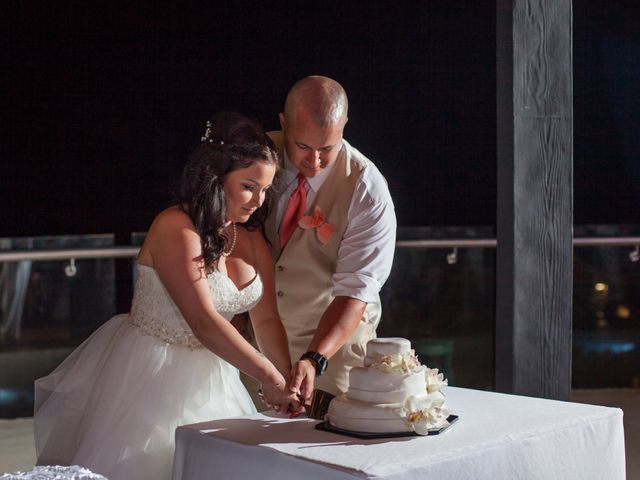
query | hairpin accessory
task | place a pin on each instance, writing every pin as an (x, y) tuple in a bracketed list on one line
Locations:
[(208, 137), (207, 133)]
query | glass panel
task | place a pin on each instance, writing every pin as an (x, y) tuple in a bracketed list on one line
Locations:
[(45, 313), (606, 312), (446, 309)]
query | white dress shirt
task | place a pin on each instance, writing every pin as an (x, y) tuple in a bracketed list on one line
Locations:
[(366, 251)]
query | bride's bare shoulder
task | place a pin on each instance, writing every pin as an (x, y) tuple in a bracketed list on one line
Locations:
[(171, 229), (171, 218)]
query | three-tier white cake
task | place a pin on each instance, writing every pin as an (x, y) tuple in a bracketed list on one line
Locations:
[(391, 393)]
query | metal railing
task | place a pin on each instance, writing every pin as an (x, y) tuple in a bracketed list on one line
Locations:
[(493, 243), (452, 257), (69, 253), (128, 252)]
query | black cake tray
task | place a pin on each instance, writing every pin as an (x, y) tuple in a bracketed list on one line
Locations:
[(327, 427)]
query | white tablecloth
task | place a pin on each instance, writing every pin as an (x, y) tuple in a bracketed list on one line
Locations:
[(497, 436)]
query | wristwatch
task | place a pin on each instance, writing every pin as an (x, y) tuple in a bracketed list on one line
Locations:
[(320, 361)]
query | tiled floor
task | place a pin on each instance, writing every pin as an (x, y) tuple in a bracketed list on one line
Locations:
[(17, 451)]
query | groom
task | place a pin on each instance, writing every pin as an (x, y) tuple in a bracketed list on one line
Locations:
[(333, 231)]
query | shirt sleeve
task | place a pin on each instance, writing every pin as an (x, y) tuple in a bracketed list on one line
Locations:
[(366, 251)]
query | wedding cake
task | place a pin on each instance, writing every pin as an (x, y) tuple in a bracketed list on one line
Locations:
[(392, 393)]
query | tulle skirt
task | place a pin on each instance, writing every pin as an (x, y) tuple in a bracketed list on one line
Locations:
[(113, 405)]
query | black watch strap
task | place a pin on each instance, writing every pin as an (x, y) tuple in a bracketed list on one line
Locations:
[(320, 361)]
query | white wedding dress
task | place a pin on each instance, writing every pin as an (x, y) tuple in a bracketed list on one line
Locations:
[(113, 405)]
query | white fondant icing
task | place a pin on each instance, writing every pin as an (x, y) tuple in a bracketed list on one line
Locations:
[(390, 394), (374, 386), (365, 417), (388, 346)]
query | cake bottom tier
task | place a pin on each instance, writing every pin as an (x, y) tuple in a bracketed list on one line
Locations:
[(366, 417)]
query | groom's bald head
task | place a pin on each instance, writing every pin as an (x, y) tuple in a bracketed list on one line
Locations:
[(321, 98)]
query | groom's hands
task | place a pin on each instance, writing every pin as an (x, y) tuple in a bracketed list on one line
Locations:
[(303, 375)]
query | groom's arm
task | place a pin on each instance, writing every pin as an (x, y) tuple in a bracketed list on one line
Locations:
[(337, 324)]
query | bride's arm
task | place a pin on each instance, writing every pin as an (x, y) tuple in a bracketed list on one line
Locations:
[(176, 250), (269, 331)]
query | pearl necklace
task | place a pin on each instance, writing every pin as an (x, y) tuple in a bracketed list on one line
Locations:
[(233, 242)]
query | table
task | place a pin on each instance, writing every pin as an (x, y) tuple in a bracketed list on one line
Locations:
[(497, 436)]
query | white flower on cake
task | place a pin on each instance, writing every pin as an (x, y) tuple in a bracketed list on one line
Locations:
[(435, 380), (425, 413), (400, 363)]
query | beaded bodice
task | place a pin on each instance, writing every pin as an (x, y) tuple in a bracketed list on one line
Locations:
[(155, 313)]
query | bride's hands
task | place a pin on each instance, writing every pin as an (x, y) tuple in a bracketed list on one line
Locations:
[(280, 398)]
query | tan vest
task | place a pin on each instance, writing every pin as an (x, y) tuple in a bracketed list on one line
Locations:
[(305, 268)]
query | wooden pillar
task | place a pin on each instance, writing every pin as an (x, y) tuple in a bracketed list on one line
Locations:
[(534, 279)]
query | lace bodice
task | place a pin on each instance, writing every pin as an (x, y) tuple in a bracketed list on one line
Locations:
[(155, 313)]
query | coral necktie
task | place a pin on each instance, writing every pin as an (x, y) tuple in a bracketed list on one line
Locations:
[(294, 212)]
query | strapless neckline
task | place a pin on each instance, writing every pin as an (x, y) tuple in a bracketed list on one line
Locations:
[(219, 273)]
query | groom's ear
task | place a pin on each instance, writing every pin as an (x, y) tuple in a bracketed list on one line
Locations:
[(281, 121)]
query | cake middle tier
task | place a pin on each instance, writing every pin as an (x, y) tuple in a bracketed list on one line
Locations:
[(366, 417), (374, 386)]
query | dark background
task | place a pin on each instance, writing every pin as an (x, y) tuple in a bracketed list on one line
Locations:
[(102, 105)]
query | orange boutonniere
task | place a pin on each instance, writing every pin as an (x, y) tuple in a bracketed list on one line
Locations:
[(324, 230)]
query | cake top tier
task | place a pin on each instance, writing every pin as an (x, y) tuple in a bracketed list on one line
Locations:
[(388, 346)]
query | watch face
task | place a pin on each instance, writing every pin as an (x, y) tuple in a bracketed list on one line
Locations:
[(322, 363)]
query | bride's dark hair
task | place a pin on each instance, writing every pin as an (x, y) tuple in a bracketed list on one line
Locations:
[(231, 141)]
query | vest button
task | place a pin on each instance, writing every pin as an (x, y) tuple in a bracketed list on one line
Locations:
[(280, 293), (280, 268)]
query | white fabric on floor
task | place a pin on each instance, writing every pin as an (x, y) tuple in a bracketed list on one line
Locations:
[(54, 472)]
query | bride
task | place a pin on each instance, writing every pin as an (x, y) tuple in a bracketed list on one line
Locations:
[(112, 406)]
